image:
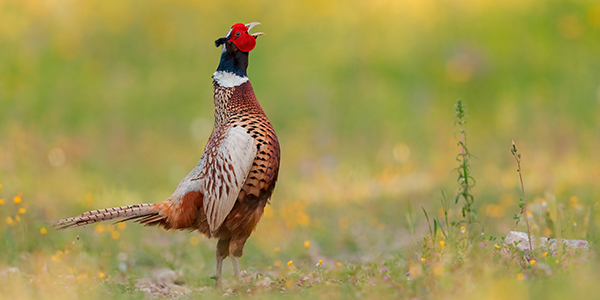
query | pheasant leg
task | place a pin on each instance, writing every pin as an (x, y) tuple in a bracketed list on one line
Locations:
[(217, 276), (236, 267)]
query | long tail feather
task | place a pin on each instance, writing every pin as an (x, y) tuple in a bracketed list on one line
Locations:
[(141, 212)]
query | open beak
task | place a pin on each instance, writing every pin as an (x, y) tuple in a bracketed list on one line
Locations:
[(250, 26)]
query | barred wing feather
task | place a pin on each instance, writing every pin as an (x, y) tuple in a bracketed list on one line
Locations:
[(225, 171)]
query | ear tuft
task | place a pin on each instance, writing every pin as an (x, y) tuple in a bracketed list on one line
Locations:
[(220, 41)]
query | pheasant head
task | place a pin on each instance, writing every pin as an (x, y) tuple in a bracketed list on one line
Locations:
[(240, 37), (234, 57)]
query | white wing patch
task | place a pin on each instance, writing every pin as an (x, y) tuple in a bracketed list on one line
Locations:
[(228, 79), (224, 174)]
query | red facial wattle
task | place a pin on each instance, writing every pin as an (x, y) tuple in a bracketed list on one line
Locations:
[(240, 37)]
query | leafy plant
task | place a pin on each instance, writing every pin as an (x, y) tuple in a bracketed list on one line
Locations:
[(465, 180), (522, 202)]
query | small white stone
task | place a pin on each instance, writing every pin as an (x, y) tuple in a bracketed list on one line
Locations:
[(544, 242)]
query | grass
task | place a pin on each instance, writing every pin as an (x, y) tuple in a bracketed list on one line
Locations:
[(107, 104)]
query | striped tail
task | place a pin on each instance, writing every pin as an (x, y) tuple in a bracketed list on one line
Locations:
[(147, 214)]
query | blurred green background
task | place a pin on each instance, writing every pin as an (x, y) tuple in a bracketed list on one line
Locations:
[(109, 103)]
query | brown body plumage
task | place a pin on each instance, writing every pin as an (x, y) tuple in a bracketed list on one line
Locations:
[(225, 194)]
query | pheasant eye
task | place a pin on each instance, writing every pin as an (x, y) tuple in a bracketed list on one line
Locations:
[(237, 33)]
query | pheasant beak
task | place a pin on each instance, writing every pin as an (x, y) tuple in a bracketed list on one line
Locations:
[(251, 25)]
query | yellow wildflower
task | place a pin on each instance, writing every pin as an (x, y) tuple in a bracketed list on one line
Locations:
[(338, 264), (99, 228), (373, 222), (497, 246), (343, 223), (532, 262), (290, 263), (423, 259), (101, 275), (277, 249), (320, 261), (0, 186), (17, 199), (520, 276), (573, 200), (43, 230), (194, 241), (22, 210), (277, 263), (528, 213), (9, 220), (57, 256), (121, 225), (115, 235), (303, 219), (463, 229), (306, 244), (89, 198), (17, 218), (1, 201), (545, 254), (443, 244), (81, 277), (438, 269)]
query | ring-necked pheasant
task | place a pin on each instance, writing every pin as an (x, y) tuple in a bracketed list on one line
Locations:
[(225, 194)]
